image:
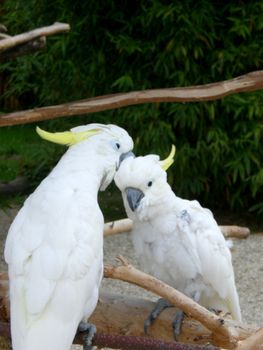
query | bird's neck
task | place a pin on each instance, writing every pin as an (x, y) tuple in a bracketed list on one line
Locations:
[(78, 171)]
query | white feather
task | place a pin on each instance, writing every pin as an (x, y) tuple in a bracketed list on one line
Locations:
[(177, 240), (54, 247)]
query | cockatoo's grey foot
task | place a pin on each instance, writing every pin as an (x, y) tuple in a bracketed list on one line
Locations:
[(177, 323), (161, 305), (90, 330)]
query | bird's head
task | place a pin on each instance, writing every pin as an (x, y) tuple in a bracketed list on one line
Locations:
[(143, 183), (108, 144)]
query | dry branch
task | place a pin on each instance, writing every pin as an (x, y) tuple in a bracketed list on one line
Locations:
[(24, 49), (117, 226), (235, 231), (245, 83), (23, 38), (125, 225), (254, 342), (125, 315), (217, 325)]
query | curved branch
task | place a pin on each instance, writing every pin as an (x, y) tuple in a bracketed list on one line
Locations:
[(245, 83), (217, 325)]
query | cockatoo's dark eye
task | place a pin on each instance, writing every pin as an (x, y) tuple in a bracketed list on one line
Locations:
[(149, 184), (118, 145)]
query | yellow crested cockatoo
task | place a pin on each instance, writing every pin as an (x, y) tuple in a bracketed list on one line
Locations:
[(176, 240), (54, 248)]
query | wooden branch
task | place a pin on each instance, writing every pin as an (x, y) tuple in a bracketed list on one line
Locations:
[(117, 226), (245, 83), (254, 342), (24, 49), (125, 315), (217, 325), (235, 231), (19, 39), (125, 225)]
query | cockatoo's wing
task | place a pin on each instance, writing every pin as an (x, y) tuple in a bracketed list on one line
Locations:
[(212, 254), (49, 253)]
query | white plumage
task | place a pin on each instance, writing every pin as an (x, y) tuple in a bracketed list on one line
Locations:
[(54, 247), (177, 240)]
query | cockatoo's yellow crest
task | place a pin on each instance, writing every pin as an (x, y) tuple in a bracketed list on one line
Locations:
[(166, 163), (68, 138)]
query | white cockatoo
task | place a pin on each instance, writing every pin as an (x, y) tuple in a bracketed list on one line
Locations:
[(54, 248), (176, 240)]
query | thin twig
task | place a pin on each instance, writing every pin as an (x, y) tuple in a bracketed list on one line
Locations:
[(245, 83)]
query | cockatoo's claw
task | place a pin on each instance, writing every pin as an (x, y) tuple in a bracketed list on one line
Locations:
[(177, 323), (214, 311), (90, 330), (161, 305)]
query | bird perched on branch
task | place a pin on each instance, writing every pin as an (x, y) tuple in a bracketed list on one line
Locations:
[(177, 240), (54, 248)]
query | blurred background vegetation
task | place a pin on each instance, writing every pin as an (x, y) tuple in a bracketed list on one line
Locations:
[(118, 46)]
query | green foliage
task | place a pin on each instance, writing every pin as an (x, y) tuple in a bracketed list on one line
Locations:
[(23, 152), (124, 46)]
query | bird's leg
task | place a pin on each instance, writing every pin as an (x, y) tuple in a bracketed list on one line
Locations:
[(161, 305), (90, 330), (177, 323), (179, 317)]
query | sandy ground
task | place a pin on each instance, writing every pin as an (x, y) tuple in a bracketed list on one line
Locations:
[(247, 261)]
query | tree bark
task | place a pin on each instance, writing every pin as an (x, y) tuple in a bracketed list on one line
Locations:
[(245, 83)]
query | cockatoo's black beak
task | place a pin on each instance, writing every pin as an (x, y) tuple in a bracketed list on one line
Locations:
[(134, 197)]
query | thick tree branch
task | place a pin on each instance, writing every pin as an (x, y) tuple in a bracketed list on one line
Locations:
[(125, 315), (245, 83), (125, 225), (11, 42), (254, 342), (217, 325), (235, 231)]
